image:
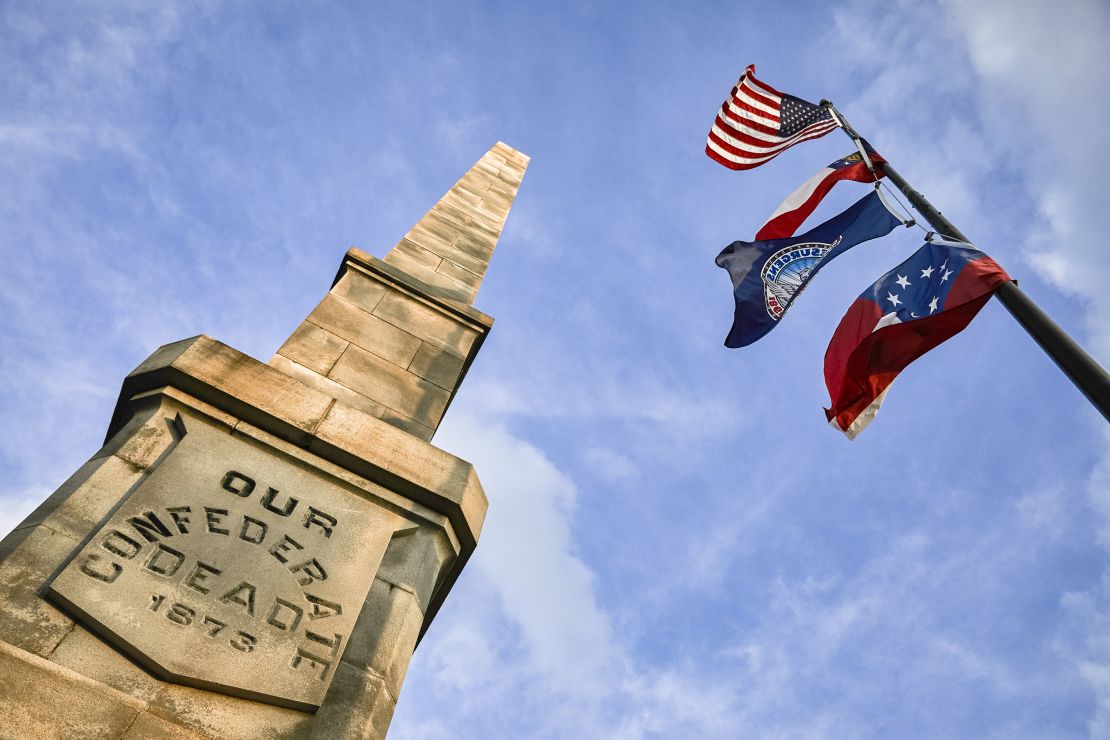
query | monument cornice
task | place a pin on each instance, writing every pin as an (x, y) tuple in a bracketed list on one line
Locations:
[(254, 392)]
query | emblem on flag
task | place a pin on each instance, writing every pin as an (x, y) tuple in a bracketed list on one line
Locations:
[(768, 275), (757, 123), (787, 271)]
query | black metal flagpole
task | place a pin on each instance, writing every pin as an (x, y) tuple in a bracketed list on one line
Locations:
[(1073, 360)]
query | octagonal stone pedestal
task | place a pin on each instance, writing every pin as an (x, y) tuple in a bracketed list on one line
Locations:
[(268, 554)]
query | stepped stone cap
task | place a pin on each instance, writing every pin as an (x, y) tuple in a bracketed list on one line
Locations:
[(449, 249), (256, 393), (394, 337)]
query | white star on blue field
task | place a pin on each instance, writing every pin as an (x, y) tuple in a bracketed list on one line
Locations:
[(678, 545)]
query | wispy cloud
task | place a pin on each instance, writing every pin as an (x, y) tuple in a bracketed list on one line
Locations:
[(676, 546)]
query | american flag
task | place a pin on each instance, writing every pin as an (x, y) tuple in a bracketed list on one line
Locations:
[(757, 123)]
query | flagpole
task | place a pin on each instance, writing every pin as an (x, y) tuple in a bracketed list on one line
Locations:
[(1082, 369)]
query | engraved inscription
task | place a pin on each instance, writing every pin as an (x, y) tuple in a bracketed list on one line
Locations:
[(231, 569), (150, 530)]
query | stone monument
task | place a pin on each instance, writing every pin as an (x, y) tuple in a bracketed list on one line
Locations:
[(257, 549)]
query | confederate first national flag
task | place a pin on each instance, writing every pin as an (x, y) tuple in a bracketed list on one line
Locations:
[(927, 299)]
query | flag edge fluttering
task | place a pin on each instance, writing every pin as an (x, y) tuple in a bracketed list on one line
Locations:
[(983, 276), (755, 116)]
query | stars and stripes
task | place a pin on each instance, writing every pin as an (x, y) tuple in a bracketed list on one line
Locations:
[(757, 123)]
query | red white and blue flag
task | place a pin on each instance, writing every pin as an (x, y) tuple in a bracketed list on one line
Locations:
[(757, 123), (768, 275), (924, 301), (798, 206)]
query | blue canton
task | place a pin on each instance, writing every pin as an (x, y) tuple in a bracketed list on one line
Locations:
[(795, 114), (918, 287)]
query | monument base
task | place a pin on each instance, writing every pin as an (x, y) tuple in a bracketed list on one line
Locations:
[(245, 557)]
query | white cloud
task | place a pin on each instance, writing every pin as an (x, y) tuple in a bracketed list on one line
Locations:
[(992, 105), (527, 554), (534, 630), (610, 465), (738, 601), (1040, 66)]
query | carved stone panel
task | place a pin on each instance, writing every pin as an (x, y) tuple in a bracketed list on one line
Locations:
[(231, 567)]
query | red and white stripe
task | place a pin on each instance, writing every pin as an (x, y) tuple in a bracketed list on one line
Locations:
[(797, 206), (745, 132)]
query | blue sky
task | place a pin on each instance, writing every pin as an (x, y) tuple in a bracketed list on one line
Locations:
[(677, 545)]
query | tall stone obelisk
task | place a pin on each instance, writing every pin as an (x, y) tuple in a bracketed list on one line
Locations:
[(257, 548)]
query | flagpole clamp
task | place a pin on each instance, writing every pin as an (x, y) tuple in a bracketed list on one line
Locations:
[(843, 123)]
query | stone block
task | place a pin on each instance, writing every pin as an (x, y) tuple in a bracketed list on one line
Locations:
[(487, 220), (143, 448), (371, 333), (416, 562), (455, 215), (426, 474), (228, 718), (446, 250), (351, 398), (324, 385), (427, 323), (148, 726), (429, 282), (87, 497), (439, 226), (359, 289), (170, 401), (510, 177), (471, 189), (496, 203), (477, 244), (513, 155), (146, 435), (26, 619), (463, 202), (167, 355), (388, 272), (359, 707), (41, 701), (206, 713), (451, 269), (246, 387), (313, 347), (436, 366), (488, 169), (474, 181), (391, 386), (418, 253), (388, 629), (87, 654)]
